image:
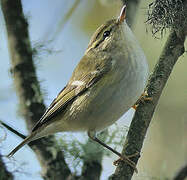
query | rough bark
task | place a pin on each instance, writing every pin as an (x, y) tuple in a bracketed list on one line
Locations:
[(4, 174), (172, 50), (28, 89)]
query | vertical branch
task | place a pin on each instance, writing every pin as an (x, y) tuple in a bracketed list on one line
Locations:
[(91, 170), (4, 174), (181, 174), (23, 70), (92, 167), (28, 89), (173, 49)]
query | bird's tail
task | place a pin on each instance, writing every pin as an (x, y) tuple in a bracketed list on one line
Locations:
[(25, 141)]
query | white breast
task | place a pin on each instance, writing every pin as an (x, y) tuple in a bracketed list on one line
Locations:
[(105, 103), (132, 70)]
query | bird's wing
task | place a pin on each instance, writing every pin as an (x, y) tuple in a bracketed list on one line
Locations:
[(68, 95)]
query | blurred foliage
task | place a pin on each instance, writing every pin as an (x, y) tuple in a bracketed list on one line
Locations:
[(77, 151), (89, 19), (42, 49), (63, 20), (96, 12)]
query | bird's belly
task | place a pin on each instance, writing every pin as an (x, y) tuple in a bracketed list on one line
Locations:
[(101, 107), (121, 99), (104, 103)]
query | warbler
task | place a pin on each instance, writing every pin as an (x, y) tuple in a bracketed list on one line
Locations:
[(105, 84)]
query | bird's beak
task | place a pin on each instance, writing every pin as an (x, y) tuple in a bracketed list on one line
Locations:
[(122, 15)]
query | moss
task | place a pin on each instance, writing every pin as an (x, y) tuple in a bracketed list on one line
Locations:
[(165, 14)]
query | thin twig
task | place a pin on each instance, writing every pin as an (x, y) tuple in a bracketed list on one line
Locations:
[(63, 21), (13, 130)]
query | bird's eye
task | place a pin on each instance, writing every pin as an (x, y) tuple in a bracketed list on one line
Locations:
[(106, 34)]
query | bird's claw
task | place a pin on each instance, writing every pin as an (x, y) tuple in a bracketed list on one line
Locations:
[(128, 161), (144, 97)]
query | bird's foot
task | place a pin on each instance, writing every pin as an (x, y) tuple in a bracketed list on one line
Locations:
[(127, 160), (144, 97)]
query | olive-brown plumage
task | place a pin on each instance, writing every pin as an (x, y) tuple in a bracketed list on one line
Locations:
[(108, 80)]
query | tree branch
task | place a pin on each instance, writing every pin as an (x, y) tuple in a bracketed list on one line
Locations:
[(4, 174), (92, 166), (182, 174), (173, 49), (17, 133), (91, 170), (28, 89), (13, 130)]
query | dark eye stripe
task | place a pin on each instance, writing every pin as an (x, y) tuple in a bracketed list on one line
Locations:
[(98, 35), (105, 35)]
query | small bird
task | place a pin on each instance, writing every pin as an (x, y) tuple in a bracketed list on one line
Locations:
[(106, 83)]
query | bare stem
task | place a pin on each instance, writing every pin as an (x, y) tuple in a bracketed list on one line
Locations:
[(13, 130)]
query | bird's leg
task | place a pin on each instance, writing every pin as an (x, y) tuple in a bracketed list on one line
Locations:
[(122, 157), (143, 97)]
